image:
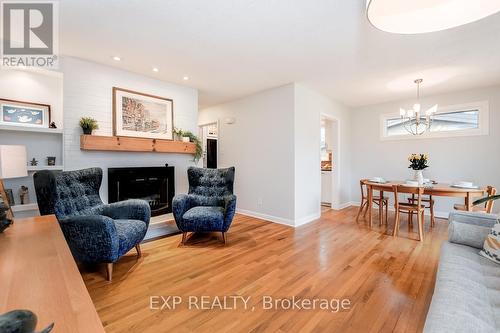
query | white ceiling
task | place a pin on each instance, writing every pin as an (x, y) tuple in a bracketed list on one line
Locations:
[(233, 48)]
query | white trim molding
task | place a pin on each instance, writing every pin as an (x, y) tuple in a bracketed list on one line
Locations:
[(270, 218), (280, 220)]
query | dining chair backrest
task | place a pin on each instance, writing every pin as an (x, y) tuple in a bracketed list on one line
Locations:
[(418, 191), (362, 185), (489, 204)]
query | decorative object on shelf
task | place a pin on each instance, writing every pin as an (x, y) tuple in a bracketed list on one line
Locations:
[(18, 113), (4, 221), (53, 125), (24, 195), (88, 125), (415, 17), (51, 160), (142, 115), (418, 162), (414, 121), (33, 162), (13, 164), (21, 321), (10, 197), (187, 136)]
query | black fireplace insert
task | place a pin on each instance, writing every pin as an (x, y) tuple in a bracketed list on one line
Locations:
[(156, 185)]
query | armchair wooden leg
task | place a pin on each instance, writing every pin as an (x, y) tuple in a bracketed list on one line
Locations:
[(109, 271), (138, 249), (224, 238), (184, 236)]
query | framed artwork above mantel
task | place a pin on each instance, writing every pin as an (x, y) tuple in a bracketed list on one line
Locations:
[(141, 115), (26, 114)]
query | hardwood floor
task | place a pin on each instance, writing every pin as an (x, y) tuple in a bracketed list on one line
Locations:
[(389, 281)]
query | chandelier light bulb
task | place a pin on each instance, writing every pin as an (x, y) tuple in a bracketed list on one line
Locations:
[(411, 118), (416, 107), (431, 110)]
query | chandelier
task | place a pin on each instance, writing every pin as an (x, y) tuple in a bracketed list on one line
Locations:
[(415, 17), (414, 120)]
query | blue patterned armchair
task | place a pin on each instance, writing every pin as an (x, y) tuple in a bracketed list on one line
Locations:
[(95, 232), (210, 204)]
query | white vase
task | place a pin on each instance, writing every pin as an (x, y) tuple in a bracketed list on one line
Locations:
[(185, 139), (419, 177)]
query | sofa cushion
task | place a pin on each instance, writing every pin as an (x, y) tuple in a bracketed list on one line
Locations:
[(467, 234), (130, 233), (491, 247), (467, 292), (204, 218)]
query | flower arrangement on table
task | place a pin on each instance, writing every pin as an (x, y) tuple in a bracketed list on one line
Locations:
[(418, 161)]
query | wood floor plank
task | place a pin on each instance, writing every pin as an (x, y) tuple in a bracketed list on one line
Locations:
[(388, 280)]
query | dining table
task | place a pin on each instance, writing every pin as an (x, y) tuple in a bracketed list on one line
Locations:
[(434, 189)]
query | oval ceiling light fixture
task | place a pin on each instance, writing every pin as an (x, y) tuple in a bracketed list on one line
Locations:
[(185, 78), (422, 16), (116, 58), (155, 69)]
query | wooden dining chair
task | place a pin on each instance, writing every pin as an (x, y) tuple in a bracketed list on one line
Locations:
[(381, 201), (488, 206), (411, 208), (426, 200)]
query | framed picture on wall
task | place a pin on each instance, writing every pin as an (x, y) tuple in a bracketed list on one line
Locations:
[(28, 114), (142, 115)]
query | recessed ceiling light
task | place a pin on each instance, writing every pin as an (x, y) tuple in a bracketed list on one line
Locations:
[(155, 69), (185, 78), (414, 17), (117, 58)]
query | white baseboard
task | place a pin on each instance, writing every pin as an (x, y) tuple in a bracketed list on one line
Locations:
[(280, 220), (438, 214), (307, 219), (342, 206), (270, 218)]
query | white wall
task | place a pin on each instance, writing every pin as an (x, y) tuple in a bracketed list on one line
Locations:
[(88, 93), (275, 146), (43, 87), (309, 107), (475, 158), (260, 145)]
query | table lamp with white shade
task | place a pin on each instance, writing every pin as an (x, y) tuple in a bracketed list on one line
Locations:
[(13, 164)]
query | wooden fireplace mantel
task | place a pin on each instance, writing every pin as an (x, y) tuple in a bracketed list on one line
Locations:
[(123, 143)]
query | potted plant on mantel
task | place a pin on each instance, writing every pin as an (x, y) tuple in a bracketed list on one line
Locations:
[(187, 136), (88, 125)]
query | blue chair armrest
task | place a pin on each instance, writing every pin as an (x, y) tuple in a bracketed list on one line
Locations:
[(132, 209), (229, 210), (91, 238), (180, 205)]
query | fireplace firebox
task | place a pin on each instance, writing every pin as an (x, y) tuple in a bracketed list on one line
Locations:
[(156, 185)]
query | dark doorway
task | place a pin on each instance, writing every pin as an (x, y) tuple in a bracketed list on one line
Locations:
[(212, 153)]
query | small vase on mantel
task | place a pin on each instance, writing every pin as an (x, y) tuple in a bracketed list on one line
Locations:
[(419, 177)]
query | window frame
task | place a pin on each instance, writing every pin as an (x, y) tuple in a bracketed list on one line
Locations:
[(483, 129)]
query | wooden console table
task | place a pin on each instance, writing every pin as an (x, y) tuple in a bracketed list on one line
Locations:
[(38, 273)]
